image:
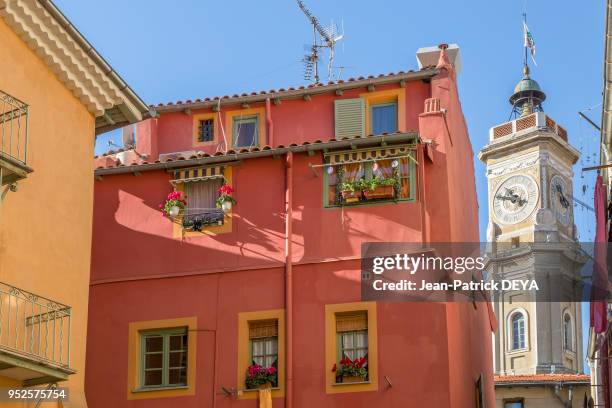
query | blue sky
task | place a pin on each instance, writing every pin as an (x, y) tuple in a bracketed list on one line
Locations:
[(205, 48)]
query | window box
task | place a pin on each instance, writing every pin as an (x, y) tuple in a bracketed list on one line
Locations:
[(380, 192), (350, 379), (351, 196), (368, 175)]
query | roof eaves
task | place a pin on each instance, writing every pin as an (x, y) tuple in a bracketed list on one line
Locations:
[(265, 151), (143, 109), (295, 93)]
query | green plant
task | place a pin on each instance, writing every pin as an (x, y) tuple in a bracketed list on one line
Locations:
[(225, 195), (352, 368), (174, 199), (387, 181), (347, 186), (367, 185), (257, 375)]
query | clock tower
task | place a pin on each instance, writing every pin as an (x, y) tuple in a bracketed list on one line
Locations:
[(531, 225)]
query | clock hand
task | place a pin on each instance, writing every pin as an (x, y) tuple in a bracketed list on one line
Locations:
[(564, 201)]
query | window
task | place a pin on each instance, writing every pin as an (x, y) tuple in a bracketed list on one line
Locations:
[(263, 336), (206, 131), (246, 131), (368, 181), (350, 333), (352, 342), (515, 242), (384, 118), (514, 403), (201, 203), (352, 329), (261, 341), (568, 338), (518, 331), (164, 358)]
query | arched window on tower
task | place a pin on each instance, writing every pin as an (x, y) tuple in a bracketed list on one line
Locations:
[(517, 322), (568, 332)]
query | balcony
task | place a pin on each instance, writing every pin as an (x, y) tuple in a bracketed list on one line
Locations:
[(34, 337), (13, 139), (537, 120), (198, 218)]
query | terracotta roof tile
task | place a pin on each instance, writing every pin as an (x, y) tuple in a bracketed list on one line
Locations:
[(131, 158), (541, 378)]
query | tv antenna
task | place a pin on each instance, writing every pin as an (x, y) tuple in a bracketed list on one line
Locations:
[(322, 37)]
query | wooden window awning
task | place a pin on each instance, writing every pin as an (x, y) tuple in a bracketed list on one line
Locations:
[(365, 155), (353, 321), (263, 328), (196, 174)]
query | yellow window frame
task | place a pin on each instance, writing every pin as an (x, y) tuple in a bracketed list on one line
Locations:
[(397, 95), (331, 347), (134, 391), (177, 225), (229, 127), (244, 350), (196, 129)]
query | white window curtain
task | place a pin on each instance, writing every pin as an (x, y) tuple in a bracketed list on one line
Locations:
[(202, 195)]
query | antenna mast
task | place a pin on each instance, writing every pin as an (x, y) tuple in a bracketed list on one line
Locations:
[(329, 38)]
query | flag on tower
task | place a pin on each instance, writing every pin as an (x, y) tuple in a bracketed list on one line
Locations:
[(529, 42)]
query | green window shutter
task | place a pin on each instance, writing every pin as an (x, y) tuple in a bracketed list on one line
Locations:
[(349, 117)]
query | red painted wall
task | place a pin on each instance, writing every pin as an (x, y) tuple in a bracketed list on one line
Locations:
[(432, 353)]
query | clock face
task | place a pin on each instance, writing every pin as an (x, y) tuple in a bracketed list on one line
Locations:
[(515, 199), (560, 199)]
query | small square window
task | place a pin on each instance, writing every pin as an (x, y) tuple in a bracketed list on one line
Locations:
[(207, 130), (513, 404), (164, 358), (246, 131), (384, 118)]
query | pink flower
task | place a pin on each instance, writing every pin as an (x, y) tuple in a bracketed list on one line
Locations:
[(271, 370)]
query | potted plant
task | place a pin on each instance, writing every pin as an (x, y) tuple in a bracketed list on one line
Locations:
[(351, 193), (351, 371), (382, 188), (261, 377), (225, 199), (175, 202)]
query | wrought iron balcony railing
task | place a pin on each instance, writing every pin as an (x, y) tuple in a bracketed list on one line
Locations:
[(14, 118), (34, 328), (197, 218), (13, 128)]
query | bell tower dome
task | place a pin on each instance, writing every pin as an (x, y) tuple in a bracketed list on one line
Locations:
[(527, 97)]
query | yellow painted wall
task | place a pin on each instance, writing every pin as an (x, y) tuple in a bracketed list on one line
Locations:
[(45, 227), (541, 396)]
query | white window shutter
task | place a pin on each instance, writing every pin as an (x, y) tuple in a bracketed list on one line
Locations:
[(349, 117)]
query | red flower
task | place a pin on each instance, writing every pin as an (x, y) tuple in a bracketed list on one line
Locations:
[(271, 370), (226, 189), (334, 368)]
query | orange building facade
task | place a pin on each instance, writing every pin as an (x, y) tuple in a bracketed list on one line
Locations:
[(55, 93), (182, 308)]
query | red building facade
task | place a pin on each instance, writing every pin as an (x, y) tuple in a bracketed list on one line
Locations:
[(181, 307)]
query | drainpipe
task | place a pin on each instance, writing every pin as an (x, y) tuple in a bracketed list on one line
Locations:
[(423, 199), (289, 281), (570, 394), (269, 123)]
